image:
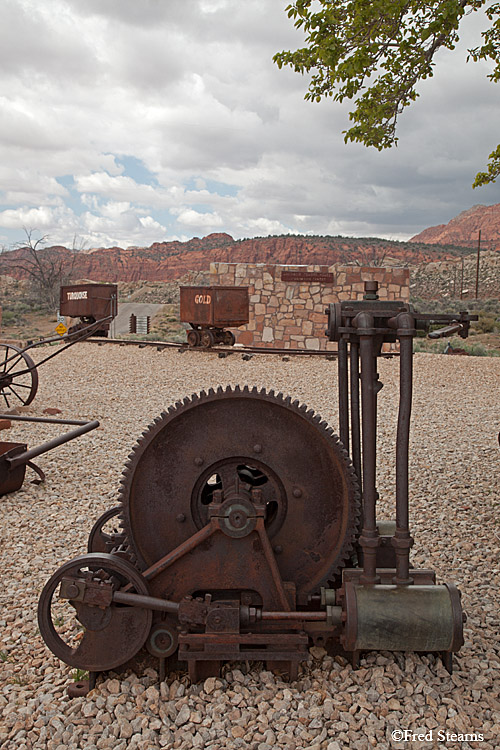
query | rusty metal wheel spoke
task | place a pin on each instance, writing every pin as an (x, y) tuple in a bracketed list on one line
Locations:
[(92, 637), (17, 372), (104, 532), (261, 440), (207, 338), (193, 338)]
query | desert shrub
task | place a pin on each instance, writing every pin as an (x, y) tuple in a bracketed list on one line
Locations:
[(486, 323)]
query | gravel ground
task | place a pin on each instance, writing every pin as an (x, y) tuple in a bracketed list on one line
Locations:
[(454, 508)]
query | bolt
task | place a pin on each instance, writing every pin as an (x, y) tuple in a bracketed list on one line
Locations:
[(198, 461), (72, 590), (257, 448), (278, 549), (180, 518), (297, 492)]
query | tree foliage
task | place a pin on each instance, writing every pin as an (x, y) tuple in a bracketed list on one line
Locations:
[(376, 53)]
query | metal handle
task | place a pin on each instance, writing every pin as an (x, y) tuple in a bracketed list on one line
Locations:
[(23, 458), (446, 331)]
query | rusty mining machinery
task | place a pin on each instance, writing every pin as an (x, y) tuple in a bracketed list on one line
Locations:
[(242, 532)]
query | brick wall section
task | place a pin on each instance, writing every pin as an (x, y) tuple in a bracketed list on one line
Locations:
[(291, 315)]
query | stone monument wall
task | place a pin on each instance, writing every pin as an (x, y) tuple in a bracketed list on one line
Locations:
[(287, 303)]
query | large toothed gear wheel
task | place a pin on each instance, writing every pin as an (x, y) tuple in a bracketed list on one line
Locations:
[(250, 438)]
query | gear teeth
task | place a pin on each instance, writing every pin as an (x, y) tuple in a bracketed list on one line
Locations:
[(271, 396)]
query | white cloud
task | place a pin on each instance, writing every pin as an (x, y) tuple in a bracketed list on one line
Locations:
[(224, 139), (191, 218)]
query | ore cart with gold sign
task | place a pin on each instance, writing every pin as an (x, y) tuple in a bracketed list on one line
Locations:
[(209, 310)]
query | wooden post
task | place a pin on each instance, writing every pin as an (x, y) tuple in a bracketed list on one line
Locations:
[(477, 264)]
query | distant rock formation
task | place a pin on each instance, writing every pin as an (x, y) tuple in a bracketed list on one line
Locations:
[(463, 230), (166, 261)]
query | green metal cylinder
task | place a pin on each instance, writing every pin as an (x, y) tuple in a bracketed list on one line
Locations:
[(403, 618)]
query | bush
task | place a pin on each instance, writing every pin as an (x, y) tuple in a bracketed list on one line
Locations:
[(486, 323)]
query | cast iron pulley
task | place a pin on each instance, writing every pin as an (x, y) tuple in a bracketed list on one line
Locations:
[(231, 443), (81, 624)]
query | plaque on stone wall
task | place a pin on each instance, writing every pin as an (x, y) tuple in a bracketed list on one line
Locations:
[(309, 277)]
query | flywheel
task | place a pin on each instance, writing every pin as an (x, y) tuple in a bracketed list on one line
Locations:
[(202, 448)]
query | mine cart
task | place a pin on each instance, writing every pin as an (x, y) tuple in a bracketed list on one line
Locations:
[(247, 530), (211, 309), (94, 304), (90, 303)]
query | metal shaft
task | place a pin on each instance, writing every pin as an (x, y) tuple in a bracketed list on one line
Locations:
[(146, 602), (402, 540), (355, 411), (343, 394), (369, 538), (23, 458)]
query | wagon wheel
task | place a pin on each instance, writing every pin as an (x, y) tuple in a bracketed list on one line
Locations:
[(193, 338), (229, 338), (18, 376), (94, 638), (207, 338)]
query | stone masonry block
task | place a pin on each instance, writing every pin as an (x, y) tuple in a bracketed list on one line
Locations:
[(312, 343)]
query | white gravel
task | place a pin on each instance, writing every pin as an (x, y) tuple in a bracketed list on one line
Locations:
[(454, 510)]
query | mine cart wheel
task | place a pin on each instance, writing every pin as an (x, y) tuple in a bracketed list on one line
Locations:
[(18, 376), (214, 442), (193, 338), (229, 338), (94, 638), (207, 338), (104, 533)]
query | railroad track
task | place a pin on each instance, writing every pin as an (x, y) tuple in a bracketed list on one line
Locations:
[(224, 349)]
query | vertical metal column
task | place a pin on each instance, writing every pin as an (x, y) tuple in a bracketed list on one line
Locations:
[(343, 394), (355, 410), (402, 540), (369, 539)]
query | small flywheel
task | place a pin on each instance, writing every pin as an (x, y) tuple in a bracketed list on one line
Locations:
[(201, 449)]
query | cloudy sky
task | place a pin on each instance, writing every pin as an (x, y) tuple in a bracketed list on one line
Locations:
[(132, 121)]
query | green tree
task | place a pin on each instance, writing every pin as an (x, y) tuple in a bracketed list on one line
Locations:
[(375, 53)]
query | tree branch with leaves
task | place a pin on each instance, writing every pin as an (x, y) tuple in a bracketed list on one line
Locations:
[(375, 53)]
